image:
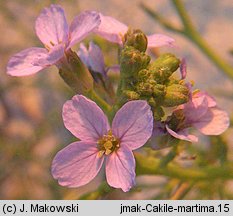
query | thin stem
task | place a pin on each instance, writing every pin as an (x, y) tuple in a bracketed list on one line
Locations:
[(190, 32), (171, 155), (183, 189), (151, 166), (195, 37), (102, 190), (160, 19), (93, 96)]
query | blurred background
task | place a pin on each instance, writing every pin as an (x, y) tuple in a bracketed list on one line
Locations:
[(31, 127)]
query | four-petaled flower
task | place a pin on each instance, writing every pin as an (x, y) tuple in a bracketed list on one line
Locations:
[(78, 163), (202, 113), (56, 35)]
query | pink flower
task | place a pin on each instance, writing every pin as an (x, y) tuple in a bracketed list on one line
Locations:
[(93, 58), (80, 162), (53, 31), (202, 113), (113, 30)]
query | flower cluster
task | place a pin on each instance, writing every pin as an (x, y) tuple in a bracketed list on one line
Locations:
[(138, 112)]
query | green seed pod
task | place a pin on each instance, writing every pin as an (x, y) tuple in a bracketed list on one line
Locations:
[(132, 61), (164, 66), (175, 95), (136, 38)]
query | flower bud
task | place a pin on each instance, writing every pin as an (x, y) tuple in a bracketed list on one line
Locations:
[(146, 88), (132, 61), (158, 113), (75, 73), (136, 38), (175, 95), (144, 75), (164, 66), (159, 91), (131, 95)]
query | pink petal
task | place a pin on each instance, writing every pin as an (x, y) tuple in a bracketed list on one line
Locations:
[(211, 101), (195, 109), (158, 40), (111, 29), (96, 59), (24, 62), (77, 164), (133, 124), (214, 122), (120, 169), (83, 25), (183, 68), (53, 56), (51, 26), (114, 68), (182, 134), (83, 54), (84, 119)]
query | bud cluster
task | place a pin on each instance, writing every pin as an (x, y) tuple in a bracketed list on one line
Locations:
[(151, 81)]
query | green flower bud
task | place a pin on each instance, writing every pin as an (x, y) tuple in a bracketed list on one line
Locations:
[(158, 113), (131, 95), (136, 38), (175, 95), (132, 61), (164, 66), (151, 101), (75, 73), (146, 88), (159, 91), (144, 75)]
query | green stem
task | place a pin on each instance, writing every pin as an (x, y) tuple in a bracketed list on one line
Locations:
[(194, 36), (93, 96), (170, 156), (102, 190), (151, 166), (190, 32)]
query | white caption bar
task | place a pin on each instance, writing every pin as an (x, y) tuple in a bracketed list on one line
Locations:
[(116, 207)]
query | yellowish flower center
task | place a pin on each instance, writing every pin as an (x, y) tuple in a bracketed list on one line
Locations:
[(107, 144)]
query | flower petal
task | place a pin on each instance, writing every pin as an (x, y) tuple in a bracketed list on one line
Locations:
[(111, 29), (51, 26), (83, 54), (83, 25), (77, 164), (23, 63), (114, 68), (53, 56), (211, 101), (214, 122), (182, 134), (120, 169), (133, 124), (159, 40), (84, 119), (96, 59), (183, 68), (195, 109)]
